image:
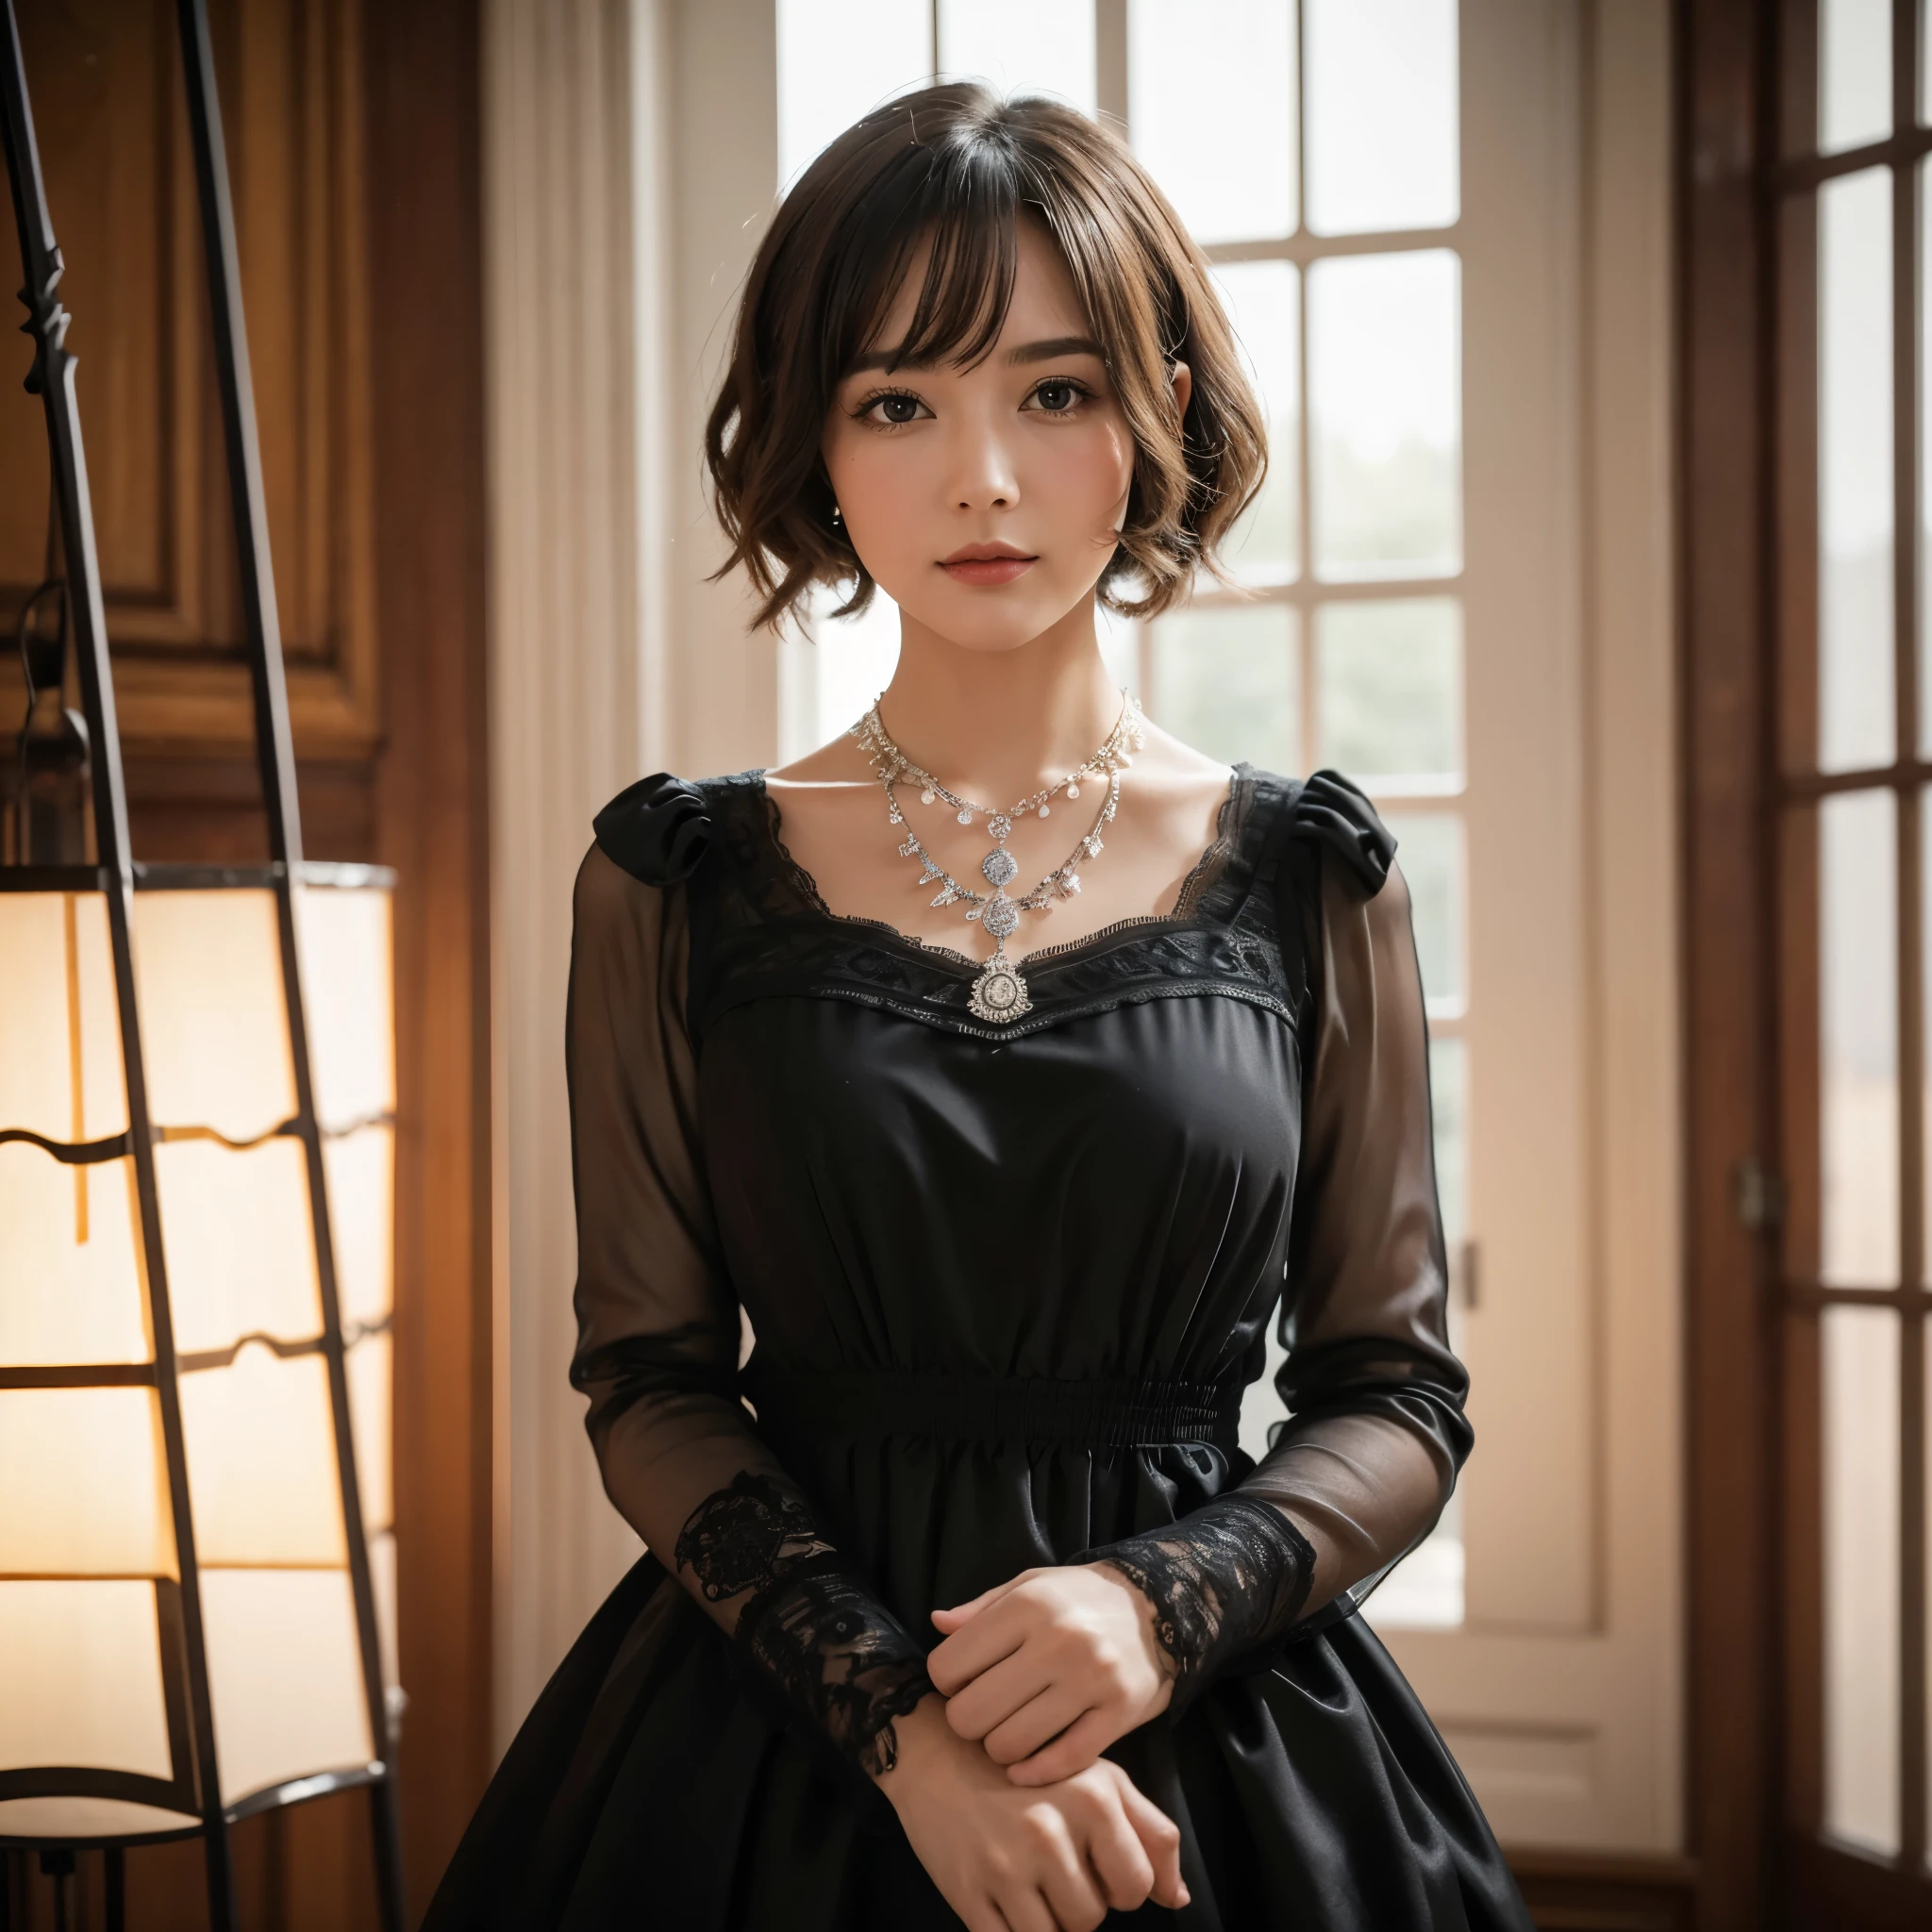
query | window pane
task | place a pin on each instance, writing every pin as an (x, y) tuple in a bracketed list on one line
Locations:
[(1857, 1039), (1228, 682), (1859, 1360), (1382, 115), (834, 63), (1431, 853), (1855, 567), (1120, 650), (1449, 1099), (830, 669), (1212, 103), (1263, 302), (1389, 684), (1021, 46), (1853, 72), (1385, 393), (1424, 1591)]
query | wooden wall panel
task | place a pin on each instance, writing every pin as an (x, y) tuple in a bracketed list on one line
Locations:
[(106, 93)]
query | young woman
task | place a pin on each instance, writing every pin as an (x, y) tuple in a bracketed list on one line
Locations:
[(1012, 1066)]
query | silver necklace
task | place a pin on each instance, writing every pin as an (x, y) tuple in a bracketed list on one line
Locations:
[(1000, 993)]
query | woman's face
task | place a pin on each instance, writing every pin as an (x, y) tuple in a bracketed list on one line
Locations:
[(986, 501)]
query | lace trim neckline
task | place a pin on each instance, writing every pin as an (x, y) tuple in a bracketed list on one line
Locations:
[(1228, 827)]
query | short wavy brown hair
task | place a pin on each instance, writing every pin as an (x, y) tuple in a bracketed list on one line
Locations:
[(961, 165)]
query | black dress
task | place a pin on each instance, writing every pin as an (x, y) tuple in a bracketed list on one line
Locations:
[(1007, 1284)]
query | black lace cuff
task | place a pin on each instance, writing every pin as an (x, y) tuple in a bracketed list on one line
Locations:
[(1224, 1582), (840, 1658)]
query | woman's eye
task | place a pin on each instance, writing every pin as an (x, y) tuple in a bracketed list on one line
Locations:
[(896, 410), (1056, 398)]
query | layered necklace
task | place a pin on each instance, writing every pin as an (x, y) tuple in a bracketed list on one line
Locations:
[(999, 994)]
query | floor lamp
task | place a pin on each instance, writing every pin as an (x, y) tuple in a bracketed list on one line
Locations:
[(196, 1175)]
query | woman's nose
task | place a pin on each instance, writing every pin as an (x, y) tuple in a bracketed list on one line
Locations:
[(983, 474)]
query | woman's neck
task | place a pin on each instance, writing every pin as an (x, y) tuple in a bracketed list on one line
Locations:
[(997, 724)]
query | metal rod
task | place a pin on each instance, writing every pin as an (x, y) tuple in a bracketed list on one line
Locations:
[(275, 758), (52, 378), (115, 1860)]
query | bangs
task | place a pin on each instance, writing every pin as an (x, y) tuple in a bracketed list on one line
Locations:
[(962, 195)]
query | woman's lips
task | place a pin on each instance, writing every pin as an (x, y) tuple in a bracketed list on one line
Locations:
[(988, 570)]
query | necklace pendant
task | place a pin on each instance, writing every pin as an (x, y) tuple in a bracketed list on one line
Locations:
[(999, 994), (965, 817), (1000, 916)]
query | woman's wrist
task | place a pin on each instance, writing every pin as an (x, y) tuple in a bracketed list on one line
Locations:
[(1232, 1575), (1146, 1608), (920, 1737)]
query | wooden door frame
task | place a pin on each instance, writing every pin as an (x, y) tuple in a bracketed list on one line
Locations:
[(424, 281), (1724, 68)]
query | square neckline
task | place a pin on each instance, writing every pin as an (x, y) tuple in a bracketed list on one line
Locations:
[(1229, 828)]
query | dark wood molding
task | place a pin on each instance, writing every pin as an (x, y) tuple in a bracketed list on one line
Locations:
[(1725, 398), (426, 282), (1598, 1892), (1835, 1888)]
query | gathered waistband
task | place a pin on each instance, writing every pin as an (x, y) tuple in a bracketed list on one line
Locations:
[(1090, 1412)]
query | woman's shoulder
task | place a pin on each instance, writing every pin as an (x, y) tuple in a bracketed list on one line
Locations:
[(660, 830), (1327, 812)]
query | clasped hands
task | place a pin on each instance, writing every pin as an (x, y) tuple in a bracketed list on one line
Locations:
[(1019, 1821)]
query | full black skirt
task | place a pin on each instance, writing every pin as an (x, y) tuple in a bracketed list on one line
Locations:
[(651, 1787)]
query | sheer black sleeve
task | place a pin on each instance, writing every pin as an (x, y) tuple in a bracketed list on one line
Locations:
[(658, 1324), (1376, 1430)]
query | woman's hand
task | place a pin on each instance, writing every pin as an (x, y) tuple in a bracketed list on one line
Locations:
[(1051, 1860), (1048, 1670)]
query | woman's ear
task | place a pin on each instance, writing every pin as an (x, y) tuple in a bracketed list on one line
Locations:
[(1182, 383)]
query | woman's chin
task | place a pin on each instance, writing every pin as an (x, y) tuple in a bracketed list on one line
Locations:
[(989, 621)]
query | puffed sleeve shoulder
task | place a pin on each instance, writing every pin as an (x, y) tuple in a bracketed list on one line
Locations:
[(657, 830), (1330, 813)]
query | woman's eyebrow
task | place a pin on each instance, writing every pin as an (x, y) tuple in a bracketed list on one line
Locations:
[(1045, 351), (1054, 346)]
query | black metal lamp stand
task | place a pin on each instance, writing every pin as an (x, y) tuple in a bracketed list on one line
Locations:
[(194, 1788)]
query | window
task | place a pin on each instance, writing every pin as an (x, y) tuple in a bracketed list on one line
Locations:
[(1854, 758)]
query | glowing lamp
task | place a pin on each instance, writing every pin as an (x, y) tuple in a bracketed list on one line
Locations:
[(196, 1175), (92, 1676)]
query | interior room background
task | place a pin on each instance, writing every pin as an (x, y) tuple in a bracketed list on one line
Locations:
[(1586, 330)]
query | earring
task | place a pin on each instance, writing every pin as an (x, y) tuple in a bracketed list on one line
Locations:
[(838, 515)]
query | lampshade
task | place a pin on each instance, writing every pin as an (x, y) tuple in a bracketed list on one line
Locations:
[(270, 1322)]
